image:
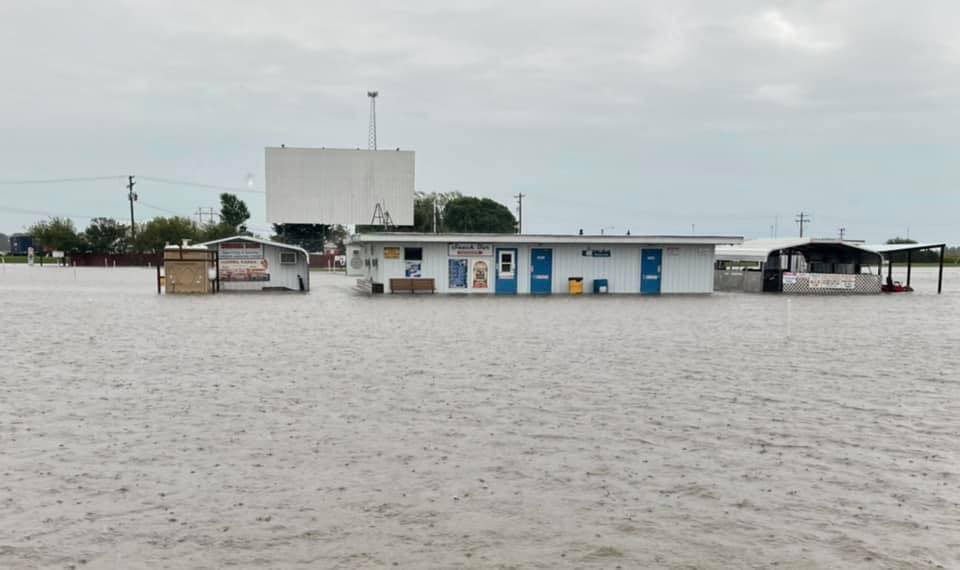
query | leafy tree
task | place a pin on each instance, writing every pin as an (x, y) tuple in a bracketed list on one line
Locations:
[(310, 237), (423, 214), (338, 235), (105, 235), (233, 212), (154, 235), (57, 234), (423, 210), (480, 215), (210, 232), (4, 242)]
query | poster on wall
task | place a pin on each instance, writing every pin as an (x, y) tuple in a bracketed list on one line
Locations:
[(391, 253), (481, 273), (413, 269), (471, 249), (243, 261), (458, 273)]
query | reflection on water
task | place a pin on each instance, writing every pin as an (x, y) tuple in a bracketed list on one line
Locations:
[(332, 430)]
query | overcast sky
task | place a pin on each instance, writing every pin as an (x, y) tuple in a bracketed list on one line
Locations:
[(730, 116)]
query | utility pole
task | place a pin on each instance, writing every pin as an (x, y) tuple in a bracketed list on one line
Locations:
[(208, 212), (802, 218), (843, 232), (372, 133), (519, 196), (132, 196)]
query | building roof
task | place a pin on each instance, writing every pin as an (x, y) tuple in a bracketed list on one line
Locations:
[(257, 240), (410, 237), (894, 247), (760, 249)]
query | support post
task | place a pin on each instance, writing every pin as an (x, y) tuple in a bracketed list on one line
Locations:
[(890, 267), (909, 265), (943, 251)]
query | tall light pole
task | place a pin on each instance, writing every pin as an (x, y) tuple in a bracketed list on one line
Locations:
[(372, 133)]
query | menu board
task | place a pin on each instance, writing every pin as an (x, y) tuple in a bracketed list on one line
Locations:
[(458, 273)]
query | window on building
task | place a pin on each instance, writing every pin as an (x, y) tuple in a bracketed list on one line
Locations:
[(288, 258), (413, 253), (506, 262)]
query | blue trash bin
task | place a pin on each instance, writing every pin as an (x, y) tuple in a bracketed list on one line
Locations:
[(600, 286)]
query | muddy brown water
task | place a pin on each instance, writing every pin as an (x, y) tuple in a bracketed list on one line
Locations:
[(331, 430)]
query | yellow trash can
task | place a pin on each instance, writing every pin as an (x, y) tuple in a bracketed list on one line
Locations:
[(575, 285)]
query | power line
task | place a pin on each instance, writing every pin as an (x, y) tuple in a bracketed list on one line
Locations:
[(199, 185), (42, 213), (118, 177), (61, 180), (159, 209)]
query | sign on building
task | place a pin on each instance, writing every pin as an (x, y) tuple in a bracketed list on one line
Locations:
[(243, 261), (831, 281), (471, 249), (391, 253)]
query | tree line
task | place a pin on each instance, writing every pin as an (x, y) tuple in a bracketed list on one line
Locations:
[(951, 255), (433, 212), (109, 236)]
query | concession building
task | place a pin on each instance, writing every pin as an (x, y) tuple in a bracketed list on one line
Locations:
[(512, 264)]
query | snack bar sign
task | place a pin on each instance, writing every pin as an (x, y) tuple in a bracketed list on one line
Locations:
[(471, 249)]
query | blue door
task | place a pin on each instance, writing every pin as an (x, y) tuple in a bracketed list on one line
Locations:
[(541, 271), (506, 268), (650, 269)]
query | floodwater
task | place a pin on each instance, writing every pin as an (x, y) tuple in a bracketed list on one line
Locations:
[(332, 430)]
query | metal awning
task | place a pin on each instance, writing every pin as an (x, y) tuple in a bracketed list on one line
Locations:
[(896, 247), (759, 250)]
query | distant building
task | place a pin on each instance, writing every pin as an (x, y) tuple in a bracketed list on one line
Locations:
[(20, 243)]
